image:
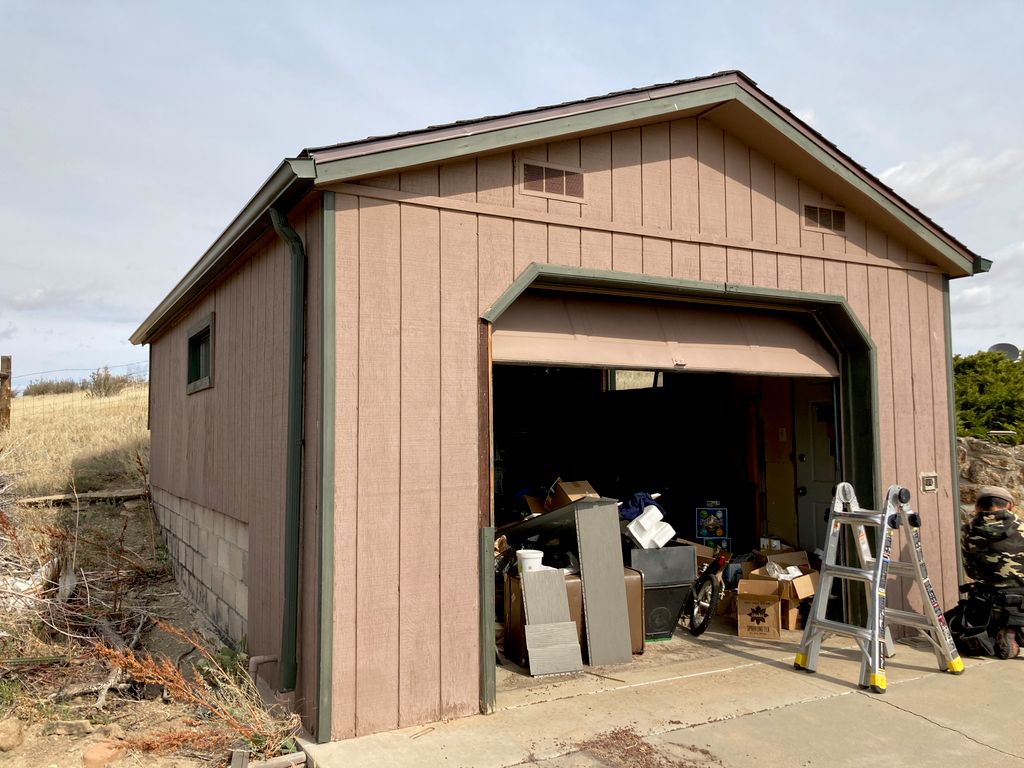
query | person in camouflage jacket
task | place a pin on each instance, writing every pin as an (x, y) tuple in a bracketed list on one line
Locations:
[(993, 540)]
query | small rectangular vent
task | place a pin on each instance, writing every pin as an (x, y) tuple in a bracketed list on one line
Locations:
[(819, 217), (547, 180)]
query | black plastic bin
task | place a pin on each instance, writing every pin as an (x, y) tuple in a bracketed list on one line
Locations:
[(669, 573)]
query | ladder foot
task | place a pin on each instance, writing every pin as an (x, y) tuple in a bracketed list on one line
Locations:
[(956, 666), (877, 682)]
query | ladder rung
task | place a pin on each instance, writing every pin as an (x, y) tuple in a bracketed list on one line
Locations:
[(837, 628), (845, 572), (896, 568), (907, 618), (860, 517)]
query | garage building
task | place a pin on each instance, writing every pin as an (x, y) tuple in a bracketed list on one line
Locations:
[(681, 288)]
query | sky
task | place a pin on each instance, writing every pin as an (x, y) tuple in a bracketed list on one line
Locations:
[(131, 133)]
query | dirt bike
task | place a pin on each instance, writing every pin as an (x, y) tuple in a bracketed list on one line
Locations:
[(705, 593)]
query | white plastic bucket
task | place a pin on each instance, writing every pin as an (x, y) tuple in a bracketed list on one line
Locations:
[(529, 560)]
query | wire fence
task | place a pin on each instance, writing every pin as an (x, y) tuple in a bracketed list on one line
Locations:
[(68, 379)]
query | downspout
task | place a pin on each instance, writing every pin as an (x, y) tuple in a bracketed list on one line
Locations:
[(293, 477), (954, 469)]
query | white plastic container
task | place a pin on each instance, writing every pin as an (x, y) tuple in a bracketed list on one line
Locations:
[(648, 530), (529, 560)]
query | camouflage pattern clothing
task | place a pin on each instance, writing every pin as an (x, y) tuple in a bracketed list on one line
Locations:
[(993, 547)]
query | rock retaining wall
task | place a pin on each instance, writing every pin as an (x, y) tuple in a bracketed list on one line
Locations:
[(985, 463)]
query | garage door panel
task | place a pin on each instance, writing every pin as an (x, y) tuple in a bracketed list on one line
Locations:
[(581, 330)]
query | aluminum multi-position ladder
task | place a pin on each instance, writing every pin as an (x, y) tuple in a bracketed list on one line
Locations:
[(874, 638)]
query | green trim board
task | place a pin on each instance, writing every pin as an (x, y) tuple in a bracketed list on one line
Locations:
[(325, 582), (540, 129), (488, 650), (601, 280)]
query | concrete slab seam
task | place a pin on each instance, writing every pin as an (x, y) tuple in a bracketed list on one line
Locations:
[(882, 700)]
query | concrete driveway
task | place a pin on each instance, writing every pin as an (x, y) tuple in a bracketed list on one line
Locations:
[(726, 702)]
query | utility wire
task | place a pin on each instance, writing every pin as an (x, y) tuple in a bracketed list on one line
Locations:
[(78, 370)]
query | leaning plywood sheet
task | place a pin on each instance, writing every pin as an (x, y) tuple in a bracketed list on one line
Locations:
[(552, 644), (604, 591), (553, 648), (544, 597)]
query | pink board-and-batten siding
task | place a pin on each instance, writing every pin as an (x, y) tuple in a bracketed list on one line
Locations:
[(421, 254), (224, 448)]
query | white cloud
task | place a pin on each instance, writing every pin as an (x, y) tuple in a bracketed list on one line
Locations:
[(973, 298), (951, 175)]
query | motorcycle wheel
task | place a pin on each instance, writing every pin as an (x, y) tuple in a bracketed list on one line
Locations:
[(702, 604)]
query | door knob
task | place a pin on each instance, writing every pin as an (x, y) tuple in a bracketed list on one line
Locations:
[(801, 491)]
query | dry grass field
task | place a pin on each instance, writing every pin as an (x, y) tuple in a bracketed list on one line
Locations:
[(75, 441), (98, 648)]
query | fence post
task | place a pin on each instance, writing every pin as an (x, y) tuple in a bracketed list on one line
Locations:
[(5, 392)]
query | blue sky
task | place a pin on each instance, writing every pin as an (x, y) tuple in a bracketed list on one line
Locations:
[(131, 133)]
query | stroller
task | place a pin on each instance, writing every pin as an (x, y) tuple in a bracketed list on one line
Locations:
[(987, 621)]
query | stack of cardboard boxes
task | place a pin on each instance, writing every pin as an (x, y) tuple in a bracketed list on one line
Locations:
[(768, 598)]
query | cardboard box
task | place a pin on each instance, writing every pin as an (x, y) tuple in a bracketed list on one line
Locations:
[(535, 505), (565, 493), (790, 589), (786, 559), (801, 588), (727, 605), (757, 609), (790, 614)]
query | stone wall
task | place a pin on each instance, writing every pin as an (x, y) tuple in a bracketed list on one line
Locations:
[(209, 554), (985, 463)]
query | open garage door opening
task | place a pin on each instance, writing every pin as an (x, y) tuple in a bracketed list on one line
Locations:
[(744, 413)]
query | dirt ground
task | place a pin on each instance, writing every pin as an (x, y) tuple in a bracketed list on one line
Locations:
[(121, 538)]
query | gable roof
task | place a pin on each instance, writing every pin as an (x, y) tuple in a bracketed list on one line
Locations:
[(730, 98)]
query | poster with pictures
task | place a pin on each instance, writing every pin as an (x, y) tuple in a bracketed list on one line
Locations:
[(712, 522), (723, 543)]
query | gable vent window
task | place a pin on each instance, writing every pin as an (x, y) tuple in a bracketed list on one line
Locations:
[(822, 219), (554, 181)]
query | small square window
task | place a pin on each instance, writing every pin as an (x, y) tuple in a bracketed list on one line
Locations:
[(200, 356)]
